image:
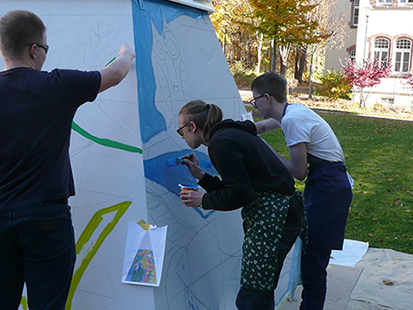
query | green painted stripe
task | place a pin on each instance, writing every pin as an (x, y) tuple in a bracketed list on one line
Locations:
[(105, 142), (112, 60)]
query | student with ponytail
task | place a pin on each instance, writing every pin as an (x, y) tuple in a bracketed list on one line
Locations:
[(252, 178)]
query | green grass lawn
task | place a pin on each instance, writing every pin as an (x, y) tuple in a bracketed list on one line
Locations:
[(379, 157)]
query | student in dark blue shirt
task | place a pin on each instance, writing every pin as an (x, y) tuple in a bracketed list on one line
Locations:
[(36, 112)]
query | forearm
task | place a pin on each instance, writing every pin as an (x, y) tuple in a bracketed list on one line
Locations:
[(227, 194), (121, 65), (227, 199), (234, 189), (266, 125), (210, 183), (297, 170), (288, 164), (117, 70)]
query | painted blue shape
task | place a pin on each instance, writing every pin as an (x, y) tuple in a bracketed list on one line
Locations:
[(145, 12), (158, 170), (161, 169)]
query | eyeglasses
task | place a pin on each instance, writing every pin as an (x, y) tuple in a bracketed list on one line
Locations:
[(45, 47), (179, 130), (253, 103)]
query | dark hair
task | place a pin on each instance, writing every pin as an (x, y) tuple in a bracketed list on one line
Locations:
[(272, 84), (204, 115), (18, 28)]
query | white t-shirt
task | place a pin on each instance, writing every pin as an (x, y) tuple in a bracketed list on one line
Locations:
[(301, 124)]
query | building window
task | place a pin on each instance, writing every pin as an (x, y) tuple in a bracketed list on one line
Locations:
[(386, 100), (355, 9), (381, 51), (403, 52), (352, 54), (384, 2)]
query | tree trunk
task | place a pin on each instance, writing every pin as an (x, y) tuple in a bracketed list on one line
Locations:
[(284, 52), (283, 68), (273, 62), (296, 60), (301, 58), (310, 85), (259, 55), (362, 99), (225, 41)]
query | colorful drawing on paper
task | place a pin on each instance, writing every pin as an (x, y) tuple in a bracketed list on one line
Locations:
[(143, 268)]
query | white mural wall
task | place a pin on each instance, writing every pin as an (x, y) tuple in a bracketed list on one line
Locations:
[(122, 143)]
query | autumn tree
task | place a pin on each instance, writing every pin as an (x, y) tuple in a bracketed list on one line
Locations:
[(286, 23), (366, 75), (329, 33), (232, 21)]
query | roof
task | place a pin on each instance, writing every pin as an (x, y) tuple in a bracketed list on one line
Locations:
[(199, 4)]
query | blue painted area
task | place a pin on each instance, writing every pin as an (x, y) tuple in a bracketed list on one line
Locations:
[(161, 169), (144, 13), (157, 170)]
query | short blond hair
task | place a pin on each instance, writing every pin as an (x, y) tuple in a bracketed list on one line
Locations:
[(18, 28), (273, 84)]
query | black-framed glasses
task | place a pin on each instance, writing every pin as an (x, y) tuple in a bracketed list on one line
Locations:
[(179, 130), (253, 103), (45, 47)]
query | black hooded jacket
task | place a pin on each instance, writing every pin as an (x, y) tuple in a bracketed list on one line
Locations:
[(246, 166)]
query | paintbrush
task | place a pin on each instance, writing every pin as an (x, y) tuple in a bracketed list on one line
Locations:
[(174, 161)]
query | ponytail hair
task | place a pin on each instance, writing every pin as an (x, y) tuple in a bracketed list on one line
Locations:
[(204, 115)]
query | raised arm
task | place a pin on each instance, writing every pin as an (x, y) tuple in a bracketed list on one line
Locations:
[(266, 125), (117, 70)]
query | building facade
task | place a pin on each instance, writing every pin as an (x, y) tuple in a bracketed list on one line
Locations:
[(380, 30)]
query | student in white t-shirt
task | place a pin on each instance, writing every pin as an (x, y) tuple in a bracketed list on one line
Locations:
[(315, 155)]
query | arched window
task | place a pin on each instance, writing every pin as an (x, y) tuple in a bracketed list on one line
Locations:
[(403, 53), (381, 51), (352, 54)]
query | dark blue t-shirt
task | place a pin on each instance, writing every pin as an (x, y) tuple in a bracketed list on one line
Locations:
[(36, 113)]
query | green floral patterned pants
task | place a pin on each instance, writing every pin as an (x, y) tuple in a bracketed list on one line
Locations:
[(263, 226)]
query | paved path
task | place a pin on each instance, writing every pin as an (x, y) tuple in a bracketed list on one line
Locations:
[(245, 93), (382, 280)]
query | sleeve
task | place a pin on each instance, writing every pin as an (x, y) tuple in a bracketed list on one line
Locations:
[(296, 131), (210, 183), (236, 188), (79, 86)]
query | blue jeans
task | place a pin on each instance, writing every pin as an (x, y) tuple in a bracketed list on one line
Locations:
[(37, 248), (314, 278)]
